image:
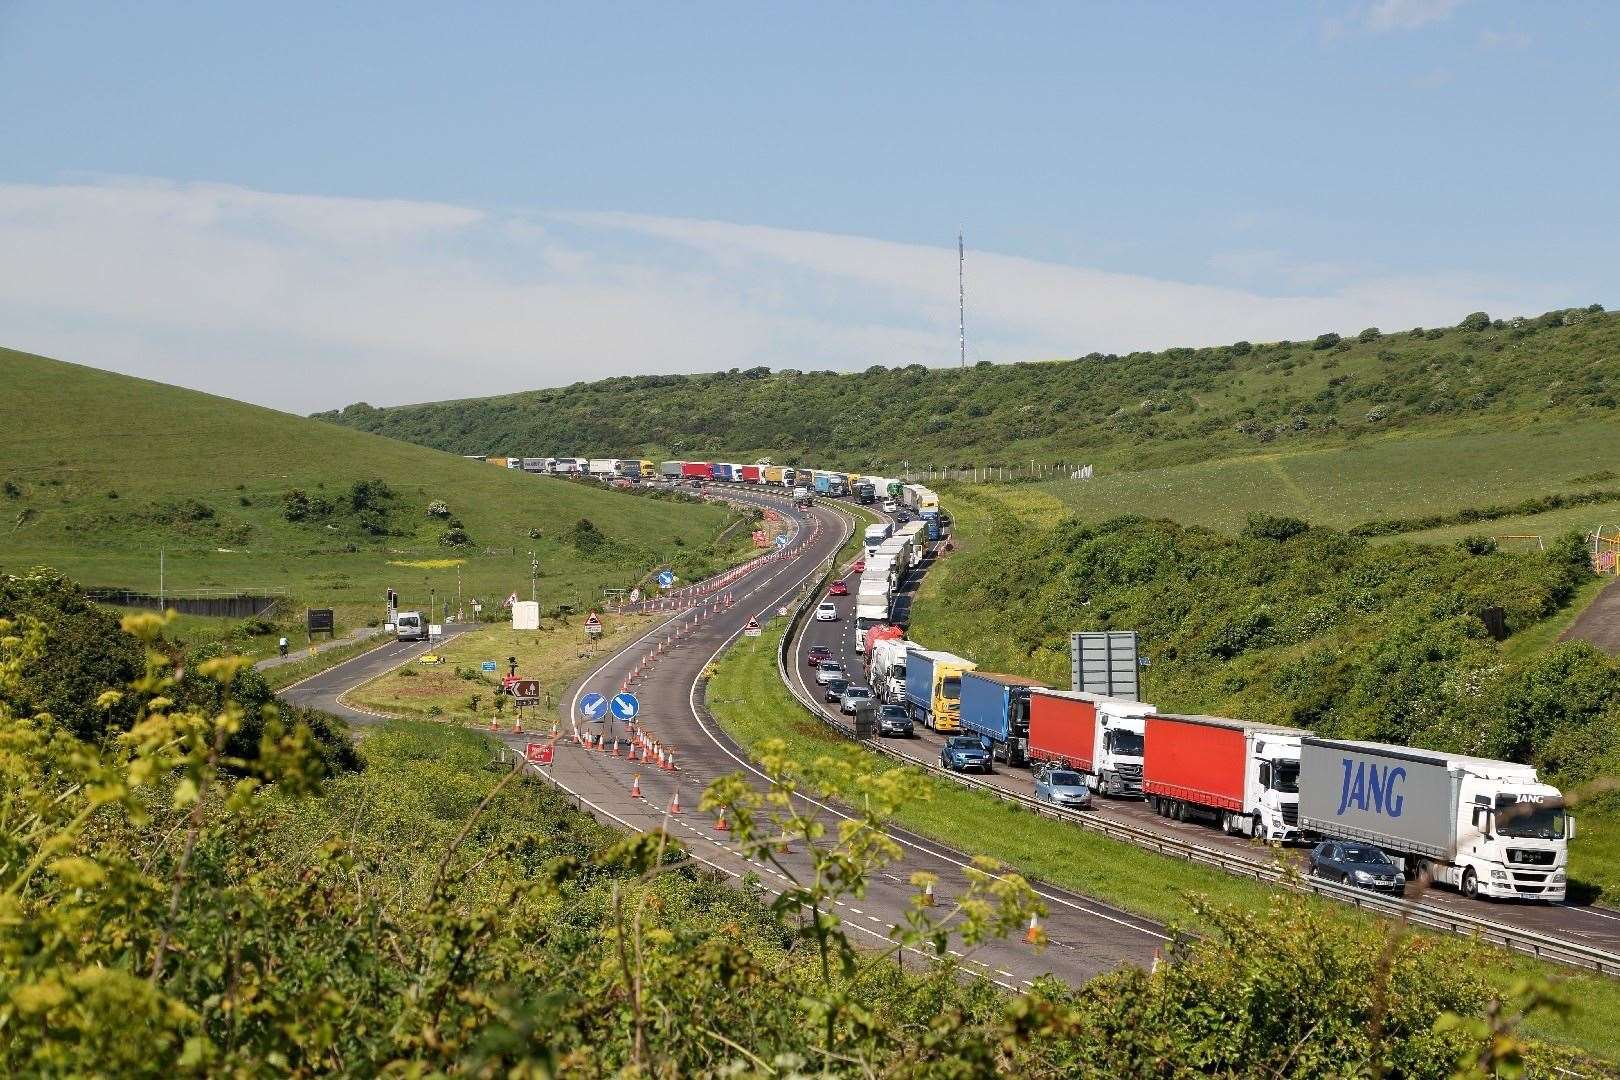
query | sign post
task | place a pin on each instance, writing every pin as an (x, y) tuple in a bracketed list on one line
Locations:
[(320, 621), (593, 626)]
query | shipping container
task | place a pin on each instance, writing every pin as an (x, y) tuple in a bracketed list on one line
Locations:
[(1241, 776), (995, 707)]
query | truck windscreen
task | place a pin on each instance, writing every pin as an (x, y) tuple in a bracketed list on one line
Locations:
[(1285, 777), (952, 689), (1528, 821), (1126, 743)]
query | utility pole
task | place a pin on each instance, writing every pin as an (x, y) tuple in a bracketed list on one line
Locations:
[(961, 296), (534, 577), (160, 579)]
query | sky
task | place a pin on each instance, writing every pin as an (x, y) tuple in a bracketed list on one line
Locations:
[(306, 205)]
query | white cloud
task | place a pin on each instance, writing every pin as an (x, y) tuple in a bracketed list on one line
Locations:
[(1384, 15), (306, 303)]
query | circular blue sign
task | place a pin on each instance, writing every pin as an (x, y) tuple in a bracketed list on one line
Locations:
[(625, 706), (666, 578), (593, 706)]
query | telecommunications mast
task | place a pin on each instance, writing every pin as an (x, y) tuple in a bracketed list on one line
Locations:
[(961, 297)]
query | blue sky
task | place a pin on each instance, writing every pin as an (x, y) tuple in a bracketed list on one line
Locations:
[(306, 206)]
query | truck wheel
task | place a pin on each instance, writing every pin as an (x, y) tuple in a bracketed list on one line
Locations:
[(1470, 884)]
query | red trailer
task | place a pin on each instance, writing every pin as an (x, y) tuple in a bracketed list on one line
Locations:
[(1062, 729), (750, 474), (1240, 775), (697, 470)]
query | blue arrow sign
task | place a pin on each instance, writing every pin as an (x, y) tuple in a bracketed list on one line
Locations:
[(593, 706), (666, 578), (781, 540), (625, 706)]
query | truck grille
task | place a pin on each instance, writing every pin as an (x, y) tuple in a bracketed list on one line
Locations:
[(1290, 814), (1530, 858), (1129, 772)]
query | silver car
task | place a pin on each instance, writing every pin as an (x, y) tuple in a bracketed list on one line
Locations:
[(828, 670), (1065, 787), (853, 698)]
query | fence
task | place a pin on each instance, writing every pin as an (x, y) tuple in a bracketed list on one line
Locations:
[(1021, 473), (195, 601)]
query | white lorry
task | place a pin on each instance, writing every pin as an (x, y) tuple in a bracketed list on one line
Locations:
[(874, 537), (871, 607), (886, 672), (602, 468), (915, 531), (1488, 828)]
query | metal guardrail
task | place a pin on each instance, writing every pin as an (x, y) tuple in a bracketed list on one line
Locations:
[(1429, 916)]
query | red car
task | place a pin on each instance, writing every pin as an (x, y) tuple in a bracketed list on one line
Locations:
[(838, 589), (817, 654), (859, 567)]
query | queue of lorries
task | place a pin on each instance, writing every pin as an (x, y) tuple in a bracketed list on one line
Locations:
[(1488, 828)]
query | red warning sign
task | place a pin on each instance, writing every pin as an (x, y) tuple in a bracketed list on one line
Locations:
[(538, 753)]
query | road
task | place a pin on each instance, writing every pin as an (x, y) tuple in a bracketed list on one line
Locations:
[(1084, 936), (1594, 926)]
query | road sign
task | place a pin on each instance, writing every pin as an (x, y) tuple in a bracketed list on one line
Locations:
[(538, 753), (593, 706), (666, 578), (752, 629), (526, 691), (319, 620), (487, 665), (625, 706), (781, 540), (593, 625)]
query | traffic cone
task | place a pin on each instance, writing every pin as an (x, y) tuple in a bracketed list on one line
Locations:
[(782, 847), (928, 895), (720, 822), (616, 748), (635, 789), (1033, 934), (675, 802), (494, 725), (669, 762), (517, 724), (1158, 962)]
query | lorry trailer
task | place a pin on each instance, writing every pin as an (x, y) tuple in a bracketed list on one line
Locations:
[(886, 668), (697, 470), (934, 687), (1488, 828), (1099, 737), (995, 707), (670, 470), (1239, 775)]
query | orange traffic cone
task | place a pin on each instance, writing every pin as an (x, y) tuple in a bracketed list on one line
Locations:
[(494, 724), (517, 724), (616, 748), (670, 758), (675, 802), (635, 789), (1033, 934), (720, 822)]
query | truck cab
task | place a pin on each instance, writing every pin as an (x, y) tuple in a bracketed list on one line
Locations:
[(1274, 781), (1514, 842), (934, 687), (1119, 753)]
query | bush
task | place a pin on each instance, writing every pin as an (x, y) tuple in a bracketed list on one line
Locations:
[(1369, 334), (12, 490), (1475, 321), (295, 505), (1325, 341), (455, 538), (1271, 527), (1478, 545), (438, 509), (1241, 348)]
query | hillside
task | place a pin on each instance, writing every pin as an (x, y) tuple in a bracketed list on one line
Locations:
[(1127, 412), (99, 471)]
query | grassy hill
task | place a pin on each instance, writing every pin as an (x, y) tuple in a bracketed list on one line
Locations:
[(99, 471), (1142, 410)]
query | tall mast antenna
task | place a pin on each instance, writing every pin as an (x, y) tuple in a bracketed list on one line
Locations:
[(961, 296)]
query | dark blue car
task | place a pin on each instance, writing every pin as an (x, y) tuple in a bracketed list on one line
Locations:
[(964, 752)]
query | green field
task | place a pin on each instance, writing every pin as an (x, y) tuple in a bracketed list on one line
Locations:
[(1387, 477), (102, 472)]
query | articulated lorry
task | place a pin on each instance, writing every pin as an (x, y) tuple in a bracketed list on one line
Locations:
[(864, 492), (1239, 775), (1097, 736), (916, 532), (886, 669), (934, 687), (871, 607), (874, 537), (1488, 828), (995, 707)]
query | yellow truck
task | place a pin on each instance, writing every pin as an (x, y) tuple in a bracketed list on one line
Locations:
[(934, 687)]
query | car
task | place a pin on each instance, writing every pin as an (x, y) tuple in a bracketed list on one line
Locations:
[(964, 752), (894, 720), (827, 670), (859, 567), (833, 689), (827, 612), (817, 654), (1360, 865), (853, 698), (838, 588), (1065, 787), (890, 506)]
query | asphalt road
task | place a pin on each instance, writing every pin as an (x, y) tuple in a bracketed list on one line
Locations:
[(1590, 925)]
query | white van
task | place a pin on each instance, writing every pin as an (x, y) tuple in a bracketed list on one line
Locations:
[(410, 626)]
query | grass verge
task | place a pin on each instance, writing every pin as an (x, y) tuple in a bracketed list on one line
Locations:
[(750, 702), (285, 675)]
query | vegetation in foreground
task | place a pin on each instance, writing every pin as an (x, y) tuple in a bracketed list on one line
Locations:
[(1136, 411), (178, 910), (241, 498)]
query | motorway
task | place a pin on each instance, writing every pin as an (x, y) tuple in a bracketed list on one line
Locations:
[(1593, 926), (1084, 936)]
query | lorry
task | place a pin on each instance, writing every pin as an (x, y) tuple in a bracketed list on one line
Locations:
[(1097, 736), (600, 467), (670, 470), (1239, 775), (750, 474), (568, 466), (720, 470), (934, 687), (995, 707), (630, 468), (931, 522), (916, 532), (696, 470), (831, 484), (877, 633), (1488, 828), (864, 492), (536, 464), (882, 566), (897, 550), (874, 537), (772, 474), (886, 669), (871, 607)]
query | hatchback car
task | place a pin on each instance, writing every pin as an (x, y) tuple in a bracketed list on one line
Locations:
[(1357, 864), (833, 689), (817, 654), (859, 567), (1065, 787), (828, 670), (894, 720), (838, 588), (827, 612), (964, 752), (853, 698)]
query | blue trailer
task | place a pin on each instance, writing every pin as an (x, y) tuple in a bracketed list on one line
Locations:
[(720, 470), (931, 519), (996, 708), (823, 483)]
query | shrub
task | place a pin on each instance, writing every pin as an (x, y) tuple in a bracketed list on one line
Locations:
[(1370, 334), (295, 505), (1272, 527), (438, 508), (1325, 341), (1475, 321), (12, 490), (1241, 348), (1478, 545)]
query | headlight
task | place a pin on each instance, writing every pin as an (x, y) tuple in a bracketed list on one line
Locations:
[(1558, 876), (1500, 875), (1363, 877)]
